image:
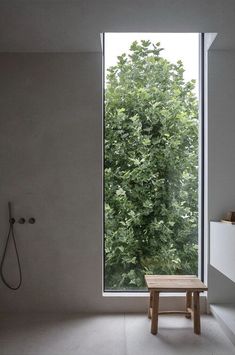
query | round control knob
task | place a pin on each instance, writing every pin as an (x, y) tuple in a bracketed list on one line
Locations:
[(21, 220), (32, 220)]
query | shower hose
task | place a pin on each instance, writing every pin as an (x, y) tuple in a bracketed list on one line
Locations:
[(9, 236)]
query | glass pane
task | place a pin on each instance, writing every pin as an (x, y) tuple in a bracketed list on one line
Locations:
[(151, 157)]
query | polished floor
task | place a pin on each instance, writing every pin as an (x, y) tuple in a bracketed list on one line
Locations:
[(121, 334)]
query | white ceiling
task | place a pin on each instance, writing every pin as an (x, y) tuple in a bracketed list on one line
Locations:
[(68, 26)]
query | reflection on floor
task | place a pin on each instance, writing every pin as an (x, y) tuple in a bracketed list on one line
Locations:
[(122, 334)]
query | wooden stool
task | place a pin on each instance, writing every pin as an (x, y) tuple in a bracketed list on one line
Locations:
[(175, 283)]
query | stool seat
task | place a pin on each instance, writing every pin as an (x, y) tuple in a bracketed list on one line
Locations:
[(175, 283)]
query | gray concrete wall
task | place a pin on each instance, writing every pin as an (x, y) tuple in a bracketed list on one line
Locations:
[(220, 156), (50, 158), (75, 26)]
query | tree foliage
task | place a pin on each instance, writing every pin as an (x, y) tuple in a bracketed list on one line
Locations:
[(151, 169)]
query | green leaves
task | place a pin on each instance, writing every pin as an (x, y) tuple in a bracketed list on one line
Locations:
[(151, 169)]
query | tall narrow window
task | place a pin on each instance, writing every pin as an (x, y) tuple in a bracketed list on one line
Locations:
[(151, 135)]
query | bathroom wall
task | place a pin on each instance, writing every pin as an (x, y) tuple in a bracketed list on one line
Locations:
[(50, 158), (220, 158)]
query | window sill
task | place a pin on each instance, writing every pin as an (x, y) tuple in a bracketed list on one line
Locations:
[(141, 294)]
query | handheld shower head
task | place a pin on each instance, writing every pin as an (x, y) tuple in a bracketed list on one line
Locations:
[(10, 235)]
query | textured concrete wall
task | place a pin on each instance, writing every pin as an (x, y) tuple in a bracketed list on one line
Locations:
[(50, 159), (71, 26), (220, 159)]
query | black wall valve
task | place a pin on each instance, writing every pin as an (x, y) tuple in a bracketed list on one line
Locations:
[(21, 220)]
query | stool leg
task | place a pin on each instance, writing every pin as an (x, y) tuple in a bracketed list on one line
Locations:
[(188, 303), (196, 313), (150, 304), (155, 307)]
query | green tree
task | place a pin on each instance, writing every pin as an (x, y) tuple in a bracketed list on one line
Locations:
[(151, 169)]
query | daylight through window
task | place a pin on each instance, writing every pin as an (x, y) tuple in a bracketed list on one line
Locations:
[(151, 135)]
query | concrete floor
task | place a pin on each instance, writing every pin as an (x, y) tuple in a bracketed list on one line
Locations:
[(109, 335)]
